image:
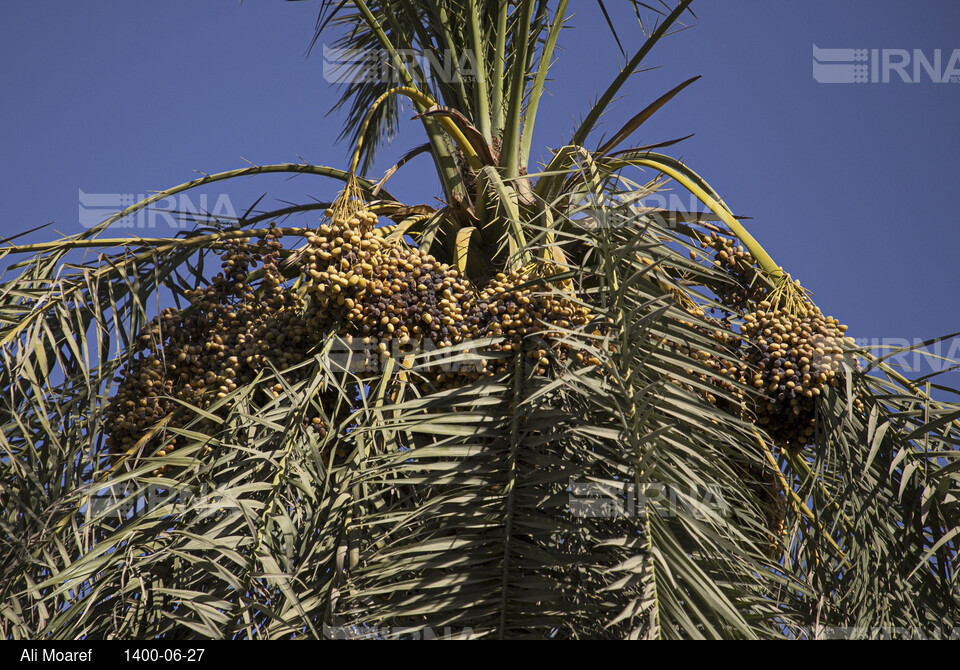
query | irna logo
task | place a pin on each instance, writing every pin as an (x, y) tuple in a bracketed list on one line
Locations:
[(882, 66), (176, 212)]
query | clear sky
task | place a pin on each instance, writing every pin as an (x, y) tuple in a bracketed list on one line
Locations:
[(852, 187)]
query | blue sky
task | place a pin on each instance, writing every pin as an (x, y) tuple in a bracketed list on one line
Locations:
[(850, 186)]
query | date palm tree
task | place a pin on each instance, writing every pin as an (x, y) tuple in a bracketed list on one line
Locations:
[(621, 421)]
